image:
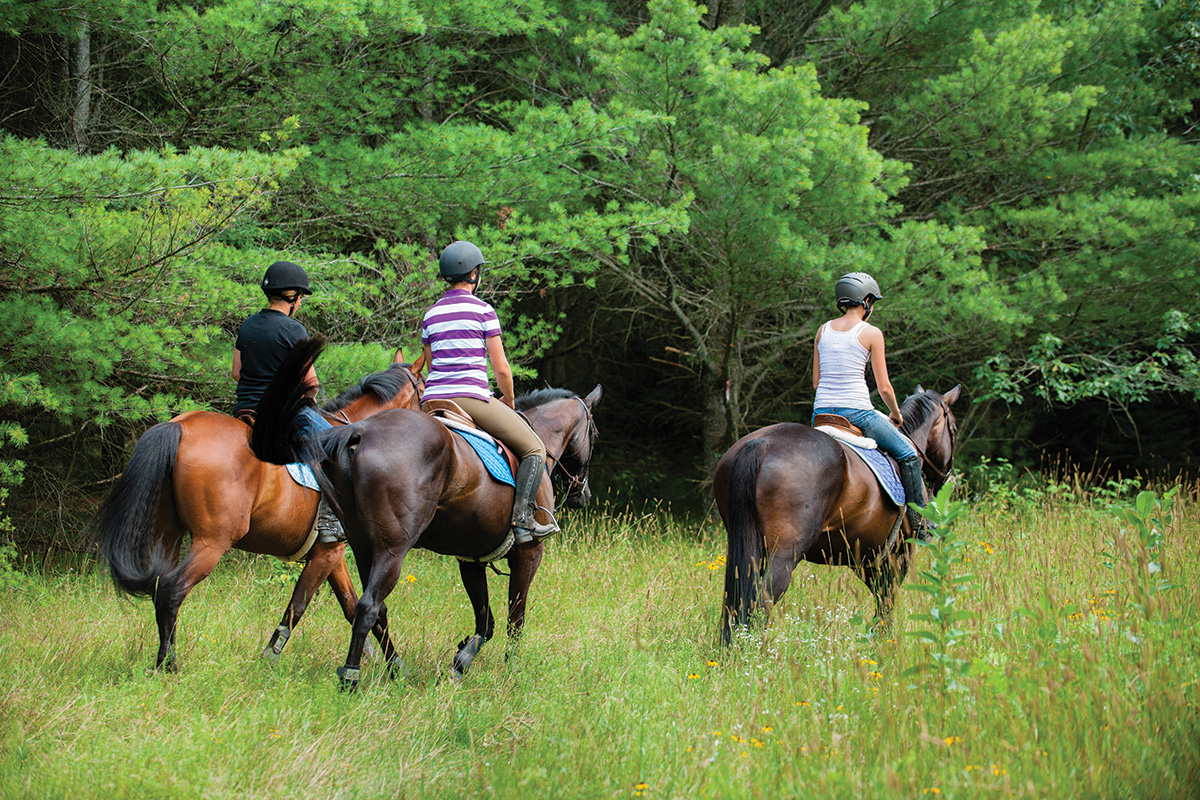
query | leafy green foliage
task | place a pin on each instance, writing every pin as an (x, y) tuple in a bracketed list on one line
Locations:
[(945, 585)]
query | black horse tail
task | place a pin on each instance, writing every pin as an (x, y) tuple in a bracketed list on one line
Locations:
[(124, 527), (276, 437), (745, 559), (280, 435)]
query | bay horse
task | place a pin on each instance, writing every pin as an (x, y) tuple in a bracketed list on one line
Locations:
[(196, 475), (403, 480), (788, 493)]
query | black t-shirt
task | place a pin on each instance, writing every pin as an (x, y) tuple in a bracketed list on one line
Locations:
[(263, 340)]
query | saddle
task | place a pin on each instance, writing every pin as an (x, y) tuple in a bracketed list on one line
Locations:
[(836, 421), (452, 415)]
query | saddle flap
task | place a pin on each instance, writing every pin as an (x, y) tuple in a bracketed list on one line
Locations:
[(836, 421)]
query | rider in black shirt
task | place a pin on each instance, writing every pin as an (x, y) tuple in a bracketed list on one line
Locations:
[(263, 341)]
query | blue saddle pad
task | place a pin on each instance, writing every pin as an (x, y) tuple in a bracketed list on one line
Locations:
[(884, 469), (303, 475), (490, 454)]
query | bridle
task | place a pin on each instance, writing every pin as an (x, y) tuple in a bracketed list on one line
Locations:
[(946, 475), (567, 482)]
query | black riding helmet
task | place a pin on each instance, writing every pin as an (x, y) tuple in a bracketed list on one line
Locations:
[(857, 289), (458, 259), (283, 276)]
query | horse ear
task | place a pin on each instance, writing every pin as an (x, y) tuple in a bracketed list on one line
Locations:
[(418, 365), (952, 395), (398, 358), (919, 389), (593, 397)]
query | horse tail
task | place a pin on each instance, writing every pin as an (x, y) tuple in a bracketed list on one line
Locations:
[(746, 548), (276, 437), (125, 524)]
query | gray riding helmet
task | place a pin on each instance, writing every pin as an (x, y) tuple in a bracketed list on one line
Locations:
[(458, 259), (854, 288)]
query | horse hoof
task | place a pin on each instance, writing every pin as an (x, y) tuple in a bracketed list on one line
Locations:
[(396, 669), (270, 656), (348, 679)]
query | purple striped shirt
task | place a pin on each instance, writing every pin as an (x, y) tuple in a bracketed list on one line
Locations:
[(455, 329)]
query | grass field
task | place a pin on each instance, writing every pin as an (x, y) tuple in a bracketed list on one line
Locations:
[(1075, 676)]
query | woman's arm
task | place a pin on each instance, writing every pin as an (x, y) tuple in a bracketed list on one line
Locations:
[(872, 339), (501, 369), (236, 372), (817, 359)]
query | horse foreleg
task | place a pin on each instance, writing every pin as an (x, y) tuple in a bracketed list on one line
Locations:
[(474, 578), (171, 591), (883, 575), (324, 561), (523, 563)]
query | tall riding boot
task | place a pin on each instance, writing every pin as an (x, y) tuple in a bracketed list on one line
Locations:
[(914, 492), (529, 478), (329, 527)]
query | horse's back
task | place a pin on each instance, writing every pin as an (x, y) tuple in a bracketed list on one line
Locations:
[(406, 466), (808, 492)]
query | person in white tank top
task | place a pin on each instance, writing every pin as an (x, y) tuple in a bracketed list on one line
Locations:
[(843, 349)]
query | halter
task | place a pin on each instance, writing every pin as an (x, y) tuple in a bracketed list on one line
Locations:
[(573, 482)]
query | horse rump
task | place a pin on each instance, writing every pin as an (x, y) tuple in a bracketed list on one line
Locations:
[(745, 556)]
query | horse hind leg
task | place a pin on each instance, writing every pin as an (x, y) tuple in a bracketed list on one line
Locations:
[(380, 571), (170, 593)]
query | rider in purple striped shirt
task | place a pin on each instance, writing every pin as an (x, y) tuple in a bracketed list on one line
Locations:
[(461, 336)]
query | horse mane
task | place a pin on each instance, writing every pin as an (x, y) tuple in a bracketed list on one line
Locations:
[(540, 397), (916, 409), (384, 385)]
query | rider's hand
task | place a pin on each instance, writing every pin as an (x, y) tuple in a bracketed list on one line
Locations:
[(896, 418), (508, 400)]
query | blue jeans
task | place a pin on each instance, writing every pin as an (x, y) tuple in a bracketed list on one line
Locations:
[(877, 426), (313, 419)]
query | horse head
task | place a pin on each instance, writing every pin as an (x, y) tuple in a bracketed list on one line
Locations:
[(934, 431), (565, 424)]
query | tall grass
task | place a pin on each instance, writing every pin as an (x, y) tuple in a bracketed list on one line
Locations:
[(618, 689)]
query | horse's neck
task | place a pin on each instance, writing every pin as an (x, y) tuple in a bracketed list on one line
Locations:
[(554, 437)]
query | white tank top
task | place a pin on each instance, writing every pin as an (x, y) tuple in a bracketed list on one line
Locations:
[(843, 363)]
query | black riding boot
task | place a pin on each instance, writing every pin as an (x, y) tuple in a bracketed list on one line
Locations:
[(914, 492), (329, 527), (529, 478)]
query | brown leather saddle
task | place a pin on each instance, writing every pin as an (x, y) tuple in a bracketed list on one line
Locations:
[(452, 415), (837, 421)]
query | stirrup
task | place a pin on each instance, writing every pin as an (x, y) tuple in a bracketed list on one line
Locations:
[(535, 530)]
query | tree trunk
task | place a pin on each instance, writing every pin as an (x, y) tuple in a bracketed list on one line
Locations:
[(81, 86)]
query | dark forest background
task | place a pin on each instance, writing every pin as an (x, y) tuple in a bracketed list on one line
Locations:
[(667, 193)]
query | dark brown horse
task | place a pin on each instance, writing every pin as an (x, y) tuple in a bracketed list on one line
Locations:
[(404, 481), (196, 474), (788, 493)]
